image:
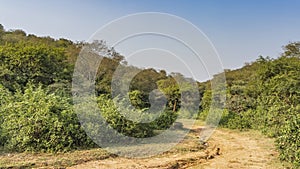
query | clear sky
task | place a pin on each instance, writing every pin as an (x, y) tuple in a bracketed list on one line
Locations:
[(240, 30)]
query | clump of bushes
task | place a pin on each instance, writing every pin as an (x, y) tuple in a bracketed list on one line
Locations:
[(288, 141), (37, 120), (265, 96)]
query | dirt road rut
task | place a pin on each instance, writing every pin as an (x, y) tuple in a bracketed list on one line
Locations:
[(226, 149)]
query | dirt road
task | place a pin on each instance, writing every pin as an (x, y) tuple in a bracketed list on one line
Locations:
[(226, 149), (242, 150)]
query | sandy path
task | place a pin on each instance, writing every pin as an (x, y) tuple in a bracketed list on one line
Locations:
[(242, 150)]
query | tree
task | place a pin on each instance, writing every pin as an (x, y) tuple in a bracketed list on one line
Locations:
[(23, 62), (171, 90), (292, 49), (2, 31)]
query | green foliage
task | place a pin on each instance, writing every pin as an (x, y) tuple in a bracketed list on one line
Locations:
[(206, 100), (288, 141), (269, 101), (170, 88), (138, 100), (126, 120), (242, 121), (146, 81), (292, 50), (238, 98), (165, 120), (24, 62), (36, 111), (34, 120), (37, 114), (118, 121), (105, 74), (5, 98), (280, 90)]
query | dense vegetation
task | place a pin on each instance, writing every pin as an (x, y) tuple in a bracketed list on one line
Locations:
[(265, 95), (37, 113), (36, 106)]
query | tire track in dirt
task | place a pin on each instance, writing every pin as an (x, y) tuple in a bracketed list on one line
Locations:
[(242, 150)]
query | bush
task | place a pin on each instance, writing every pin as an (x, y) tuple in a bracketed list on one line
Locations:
[(38, 121), (242, 121), (124, 120), (165, 120), (5, 98), (111, 113), (288, 142)]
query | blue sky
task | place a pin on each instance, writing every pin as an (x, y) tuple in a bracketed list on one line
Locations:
[(240, 30)]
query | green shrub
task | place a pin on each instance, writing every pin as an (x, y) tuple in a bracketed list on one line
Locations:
[(117, 120), (165, 120), (288, 142), (38, 121), (5, 98), (117, 116), (242, 121)]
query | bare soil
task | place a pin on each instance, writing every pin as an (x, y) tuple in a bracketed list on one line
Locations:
[(242, 150), (225, 149)]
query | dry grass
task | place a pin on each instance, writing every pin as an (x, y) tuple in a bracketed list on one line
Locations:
[(48, 160), (63, 160), (238, 150)]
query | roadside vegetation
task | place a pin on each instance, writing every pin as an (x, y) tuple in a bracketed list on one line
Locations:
[(265, 96), (36, 107)]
